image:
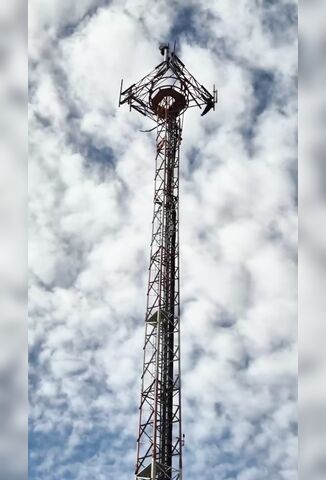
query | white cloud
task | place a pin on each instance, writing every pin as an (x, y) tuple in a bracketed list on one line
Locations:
[(91, 193)]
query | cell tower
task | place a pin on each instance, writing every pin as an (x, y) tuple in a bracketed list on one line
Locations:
[(163, 96)]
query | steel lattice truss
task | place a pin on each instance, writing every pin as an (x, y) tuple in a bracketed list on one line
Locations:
[(163, 96), (139, 95)]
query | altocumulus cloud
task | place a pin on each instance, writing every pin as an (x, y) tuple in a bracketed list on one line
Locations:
[(91, 173)]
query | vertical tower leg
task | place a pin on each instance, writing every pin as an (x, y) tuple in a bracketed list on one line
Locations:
[(159, 452)]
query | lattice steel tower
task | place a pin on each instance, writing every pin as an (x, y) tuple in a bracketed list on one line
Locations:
[(163, 96)]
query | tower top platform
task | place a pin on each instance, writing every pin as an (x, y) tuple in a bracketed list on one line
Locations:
[(169, 90)]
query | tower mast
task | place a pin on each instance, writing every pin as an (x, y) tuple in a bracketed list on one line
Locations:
[(163, 96)]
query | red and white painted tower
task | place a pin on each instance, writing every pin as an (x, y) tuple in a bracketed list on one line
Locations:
[(164, 95)]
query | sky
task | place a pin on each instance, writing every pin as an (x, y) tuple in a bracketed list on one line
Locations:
[(13, 251), (90, 207), (312, 210)]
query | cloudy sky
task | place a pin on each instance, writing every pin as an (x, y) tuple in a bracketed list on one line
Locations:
[(312, 271), (13, 251), (91, 186)]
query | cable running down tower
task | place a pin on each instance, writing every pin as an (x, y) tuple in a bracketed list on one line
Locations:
[(163, 96)]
